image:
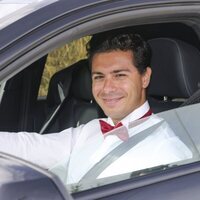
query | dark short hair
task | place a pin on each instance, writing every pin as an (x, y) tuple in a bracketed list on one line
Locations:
[(107, 42)]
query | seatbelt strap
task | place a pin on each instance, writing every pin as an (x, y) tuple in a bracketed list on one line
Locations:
[(61, 92), (116, 153), (49, 120), (62, 97), (195, 98)]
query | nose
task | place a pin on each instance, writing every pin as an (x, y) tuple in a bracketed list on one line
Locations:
[(109, 85)]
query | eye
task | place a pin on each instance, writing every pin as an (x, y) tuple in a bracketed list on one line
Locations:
[(97, 77), (120, 75)]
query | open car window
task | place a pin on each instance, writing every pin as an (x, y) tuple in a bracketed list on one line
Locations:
[(77, 74)]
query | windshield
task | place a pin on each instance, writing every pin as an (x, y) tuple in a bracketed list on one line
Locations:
[(13, 10), (182, 122)]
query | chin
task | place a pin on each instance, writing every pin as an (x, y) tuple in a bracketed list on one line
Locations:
[(113, 115), (113, 112)]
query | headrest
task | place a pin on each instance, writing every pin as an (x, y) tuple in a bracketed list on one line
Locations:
[(60, 84), (82, 82), (175, 68)]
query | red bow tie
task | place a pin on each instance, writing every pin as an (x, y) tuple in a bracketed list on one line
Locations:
[(123, 134), (147, 114), (105, 127)]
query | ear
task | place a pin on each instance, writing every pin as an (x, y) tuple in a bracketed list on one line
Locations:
[(146, 77)]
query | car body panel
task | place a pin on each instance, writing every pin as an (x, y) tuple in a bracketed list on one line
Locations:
[(174, 183), (11, 11), (20, 179)]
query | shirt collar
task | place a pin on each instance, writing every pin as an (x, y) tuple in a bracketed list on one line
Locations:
[(136, 114)]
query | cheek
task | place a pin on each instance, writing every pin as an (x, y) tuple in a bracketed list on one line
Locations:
[(132, 90), (128, 86), (95, 89)]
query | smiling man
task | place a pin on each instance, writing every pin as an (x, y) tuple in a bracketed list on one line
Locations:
[(118, 86), (120, 66), (120, 73)]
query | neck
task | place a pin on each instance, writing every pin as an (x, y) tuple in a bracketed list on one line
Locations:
[(137, 113)]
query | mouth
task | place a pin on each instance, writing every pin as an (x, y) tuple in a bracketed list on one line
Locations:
[(112, 102)]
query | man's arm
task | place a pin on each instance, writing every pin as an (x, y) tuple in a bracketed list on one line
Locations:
[(44, 150)]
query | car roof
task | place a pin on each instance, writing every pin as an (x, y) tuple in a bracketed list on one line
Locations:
[(59, 16), (13, 10), (46, 10)]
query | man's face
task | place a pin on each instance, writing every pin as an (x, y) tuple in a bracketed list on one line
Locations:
[(117, 85)]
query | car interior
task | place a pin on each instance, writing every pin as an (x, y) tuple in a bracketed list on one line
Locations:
[(173, 55), (175, 68), (69, 102)]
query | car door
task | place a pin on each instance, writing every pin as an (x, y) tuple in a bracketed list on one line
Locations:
[(23, 180)]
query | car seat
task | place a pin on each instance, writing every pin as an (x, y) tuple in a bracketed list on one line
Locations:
[(75, 104), (176, 73)]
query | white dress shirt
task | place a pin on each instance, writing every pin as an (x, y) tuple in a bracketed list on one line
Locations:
[(74, 151)]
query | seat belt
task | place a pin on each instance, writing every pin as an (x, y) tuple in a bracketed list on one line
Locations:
[(62, 98), (194, 98), (116, 153)]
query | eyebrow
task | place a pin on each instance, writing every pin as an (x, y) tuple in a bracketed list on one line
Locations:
[(120, 70), (97, 73), (113, 72)]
